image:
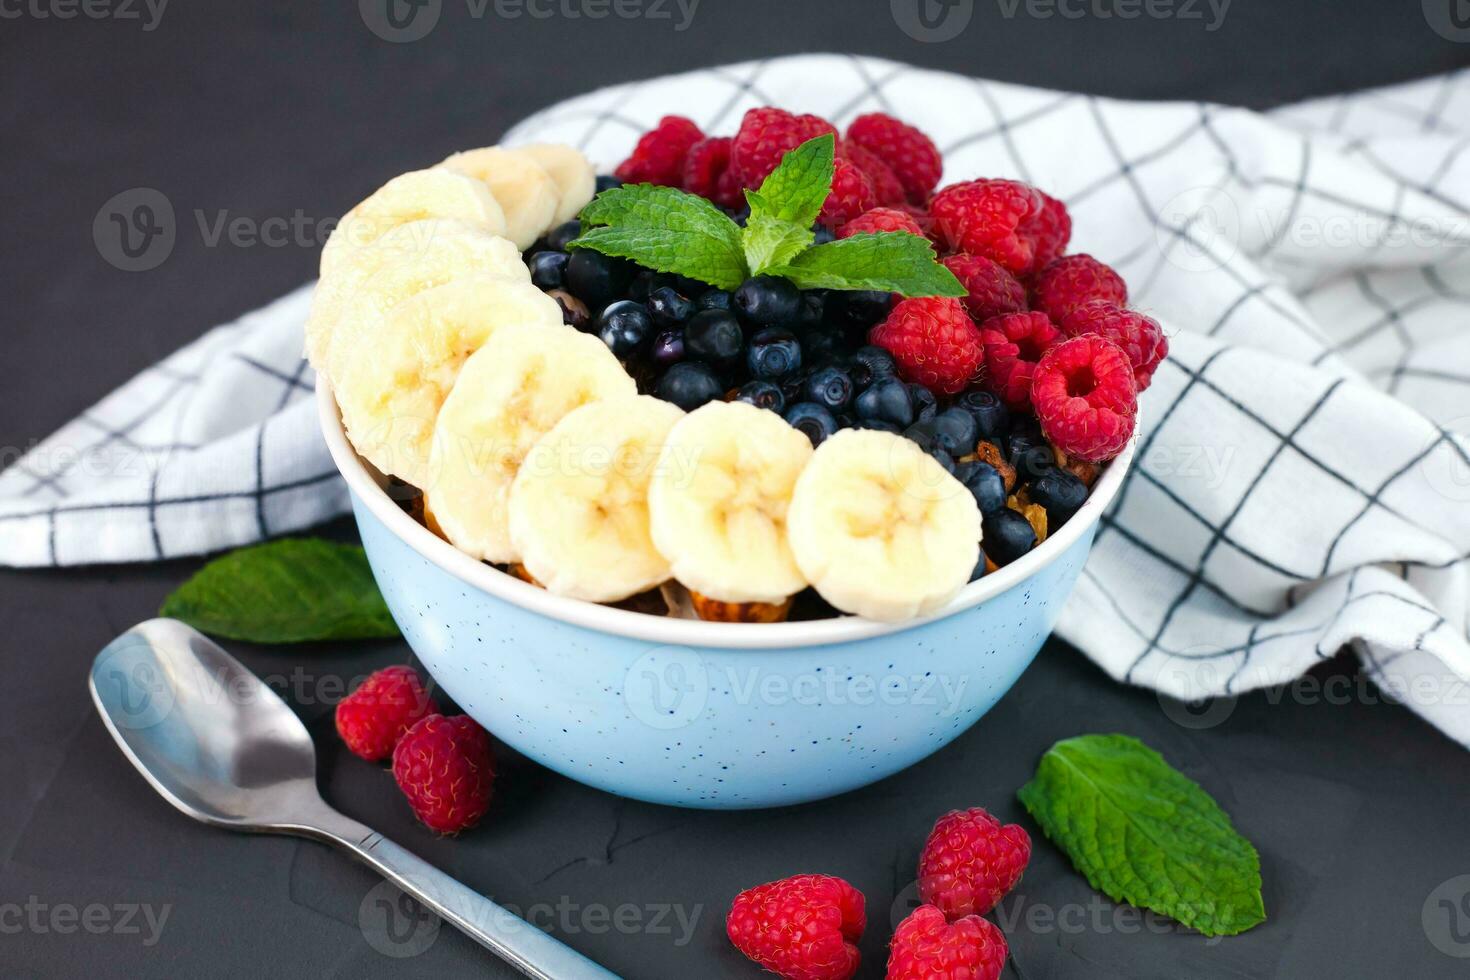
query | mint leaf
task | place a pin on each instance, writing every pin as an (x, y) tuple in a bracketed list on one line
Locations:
[(770, 240), (796, 190), (890, 261), (1144, 833), (666, 230), (285, 592)]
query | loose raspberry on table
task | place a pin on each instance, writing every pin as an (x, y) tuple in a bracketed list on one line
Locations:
[(933, 341), (1072, 280), (445, 768), (970, 862), (851, 195), (372, 718), (986, 217), (926, 947), (912, 156), (886, 185), (704, 165), (659, 156), (1085, 398), (1140, 337), (1048, 230), (765, 136), (991, 289), (803, 928), (1014, 343), (881, 219)]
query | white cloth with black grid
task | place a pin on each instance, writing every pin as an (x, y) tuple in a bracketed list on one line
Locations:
[(1300, 485)]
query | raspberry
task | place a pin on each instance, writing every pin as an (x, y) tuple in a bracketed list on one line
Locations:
[(729, 193), (886, 185), (1048, 230), (766, 135), (659, 156), (802, 928), (852, 194), (444, 767), (985, 217), (970, 862), (1085, 398), (933, 341), (924, 219), (912, 156), (704, 165), (992, 290), (372, 718), (925, 947), (881, 219), (1140, 337), (1073, 280), (1014, 342)]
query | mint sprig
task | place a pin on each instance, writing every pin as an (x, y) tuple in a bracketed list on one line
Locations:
[(1144, 833), (670, 231)]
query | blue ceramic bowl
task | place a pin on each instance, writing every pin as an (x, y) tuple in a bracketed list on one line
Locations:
[(714, 715)]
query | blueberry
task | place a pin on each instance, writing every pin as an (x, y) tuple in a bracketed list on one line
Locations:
[(829, 386), (859, 309), (1006, 536), (739, 215), (667, 348), (887, 400), (881, 425), (925, 433), (548, 269), (822, 345), (669, 307), (624, 326), (716, 299), (688, 385), (821, 235), (871, 363), (792, 384), (573, 311), (991, 415), (1061, 493), (926, 406), (812, 420), (762, 394), (641, 286), (772, 353), (957, 432), (985, 483), (943, 458), (768, 300), (813, 308), (598, 279), (563, 233), (979, 571), (1030, 454), (606, 182), (714, 336)]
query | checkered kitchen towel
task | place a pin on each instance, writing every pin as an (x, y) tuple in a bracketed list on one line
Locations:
[(1300, 483)]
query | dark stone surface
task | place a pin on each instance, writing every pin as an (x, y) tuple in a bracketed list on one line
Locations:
[(263, 109)]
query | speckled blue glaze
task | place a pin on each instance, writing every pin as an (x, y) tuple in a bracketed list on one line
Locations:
[(712, 727)]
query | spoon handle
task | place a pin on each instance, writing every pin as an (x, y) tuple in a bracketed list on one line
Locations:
[(514, 940)]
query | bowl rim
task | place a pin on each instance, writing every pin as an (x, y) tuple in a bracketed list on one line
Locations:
[(688, 632)]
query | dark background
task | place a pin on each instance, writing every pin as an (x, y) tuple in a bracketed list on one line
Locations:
[(262, 110)]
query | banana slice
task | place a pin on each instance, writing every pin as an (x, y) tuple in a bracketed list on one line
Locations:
[(523, 188), (409, 197), (391, 390), (447, 255), (579, 505), (576, 181), (880, 529), (509, 394), (717, 502)]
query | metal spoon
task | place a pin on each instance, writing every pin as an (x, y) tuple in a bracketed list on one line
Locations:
[(222, 747)]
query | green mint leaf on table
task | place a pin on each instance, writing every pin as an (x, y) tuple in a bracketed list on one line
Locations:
[(893, 261), (666, 230), (1144, 833), (286, 591)]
